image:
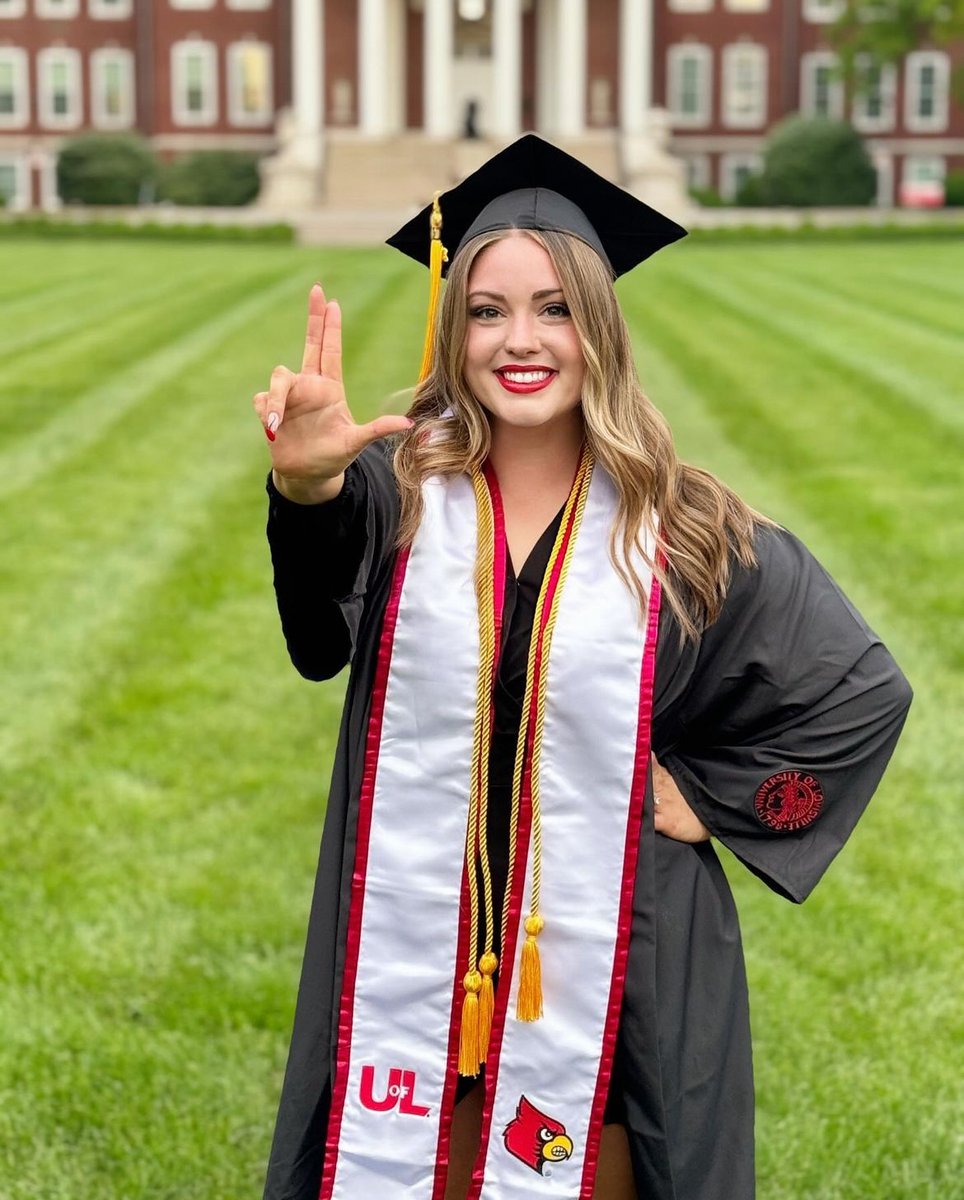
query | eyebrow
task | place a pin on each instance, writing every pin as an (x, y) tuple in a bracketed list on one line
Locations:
[(535, 295)]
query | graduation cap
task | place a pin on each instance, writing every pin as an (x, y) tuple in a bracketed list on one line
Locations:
[(534, 185)]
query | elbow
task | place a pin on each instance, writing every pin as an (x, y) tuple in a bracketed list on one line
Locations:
[(320, 662)]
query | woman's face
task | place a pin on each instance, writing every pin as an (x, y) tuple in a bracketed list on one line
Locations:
[(523, 361)]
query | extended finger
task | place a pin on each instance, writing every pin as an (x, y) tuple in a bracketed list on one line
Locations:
[(331, 342), (260, 404), (311, 362)]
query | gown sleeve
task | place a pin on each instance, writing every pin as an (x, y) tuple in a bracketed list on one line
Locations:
[(789, 710), (325, 557)]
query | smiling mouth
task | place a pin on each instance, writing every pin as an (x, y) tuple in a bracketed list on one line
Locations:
[(525, 381)]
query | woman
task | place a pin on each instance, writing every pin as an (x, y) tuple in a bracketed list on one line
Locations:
[(523, 960)]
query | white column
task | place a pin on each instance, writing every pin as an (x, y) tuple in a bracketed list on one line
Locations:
[(571, 93), (507, 59), (546, 64), (437, 52), (372, 64), (635, 64), (308, 63)]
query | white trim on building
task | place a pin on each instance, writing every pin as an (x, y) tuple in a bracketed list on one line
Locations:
[(194, 82), (191, 3), (110, 10), (249, 4), (112, 88), (689, 84), (822, 12), (60, 94), (875, 104), (15, 102), (12, 8), (746, 5), (698, 170), (926, 88), (821, 92), (734, 168), (744, 99), (56, 10), (14, 181), (250, 84), (690, 5)]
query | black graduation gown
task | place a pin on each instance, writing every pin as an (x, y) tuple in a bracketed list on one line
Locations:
[(788, 678)]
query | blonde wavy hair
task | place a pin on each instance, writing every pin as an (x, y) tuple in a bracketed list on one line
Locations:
[(701, 522)]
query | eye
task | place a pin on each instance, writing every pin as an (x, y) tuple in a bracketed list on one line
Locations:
[(546, 1135), (484, 312), (557, 309)]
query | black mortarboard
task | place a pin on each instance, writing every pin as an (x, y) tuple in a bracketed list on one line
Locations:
[(535, 185)]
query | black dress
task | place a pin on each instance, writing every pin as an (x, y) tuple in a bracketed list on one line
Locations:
[(788, 678)]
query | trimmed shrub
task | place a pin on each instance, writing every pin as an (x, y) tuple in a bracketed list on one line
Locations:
[(105, 168), (954, 189), (750, 193), (222, 178), (708, 197), (816, 161)]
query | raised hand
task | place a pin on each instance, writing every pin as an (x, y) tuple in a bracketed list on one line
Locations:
[(306, 417)]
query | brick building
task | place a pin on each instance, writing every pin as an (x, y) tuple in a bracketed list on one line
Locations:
[(368, 74)]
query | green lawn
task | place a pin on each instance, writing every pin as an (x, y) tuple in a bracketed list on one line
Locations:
[(163, 768)]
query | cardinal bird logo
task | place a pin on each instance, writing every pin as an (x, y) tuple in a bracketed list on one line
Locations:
[(535, 1138)]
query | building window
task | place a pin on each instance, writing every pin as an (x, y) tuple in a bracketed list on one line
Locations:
[(14, 96), (192, 3), (249, 4), (110, 10), (56, 9), (922, 180), (14, 183), (697, 170), (59, 102), (747, 5), (926, 91), (735, 169), (250, 98), (691, 5), (821, 90), (822, 11), (689, 74), (112, 88), (875, 100), (194, 82), (744, 86), (12, 8)]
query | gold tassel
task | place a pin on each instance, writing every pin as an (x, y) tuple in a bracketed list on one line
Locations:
[(529, 1002), (469, 1031), (487, 965), (438, 256)]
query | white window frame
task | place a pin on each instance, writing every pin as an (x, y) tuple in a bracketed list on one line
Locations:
[(99, 59), (746, 5), (236, 116), (674, 57), (56, 10), (179, 52), (110, 10), (822, 12), (46, 59), (758, 116), (937, 161), (940, 61), (809, 63), (690, 5), (729, 165), (20, 200), (249, 5), (862, 120), (12, 9), (191, 3), (698, 170), (19, 119)]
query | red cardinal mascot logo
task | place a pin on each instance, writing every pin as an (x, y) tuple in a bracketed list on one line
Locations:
[(535, 1138)]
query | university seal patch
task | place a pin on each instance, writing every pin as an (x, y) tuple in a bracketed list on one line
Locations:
[(535, 1138), (789, 800)]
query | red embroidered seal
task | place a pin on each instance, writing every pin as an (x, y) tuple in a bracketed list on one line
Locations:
[(789, 800)]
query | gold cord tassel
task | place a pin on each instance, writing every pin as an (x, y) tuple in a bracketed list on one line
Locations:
[(438, 256), (529, 1001), (469, 1031), (487, 965)]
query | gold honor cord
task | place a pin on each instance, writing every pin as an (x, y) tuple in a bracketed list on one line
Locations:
[(478, 1003), (529, 1000)]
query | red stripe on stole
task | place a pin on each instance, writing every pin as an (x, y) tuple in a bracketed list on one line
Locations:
[(517, 890), (452, 1062), (633, 832), (356, 904)]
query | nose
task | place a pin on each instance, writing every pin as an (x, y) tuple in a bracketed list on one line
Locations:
[(522, 335)]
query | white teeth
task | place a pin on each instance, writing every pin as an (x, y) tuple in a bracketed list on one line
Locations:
[(526, 376)]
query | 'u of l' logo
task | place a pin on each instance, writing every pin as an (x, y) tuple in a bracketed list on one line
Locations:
[(400, 1093)]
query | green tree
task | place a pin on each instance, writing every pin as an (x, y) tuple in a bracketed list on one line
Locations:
[(813, 161), (878, 32)]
